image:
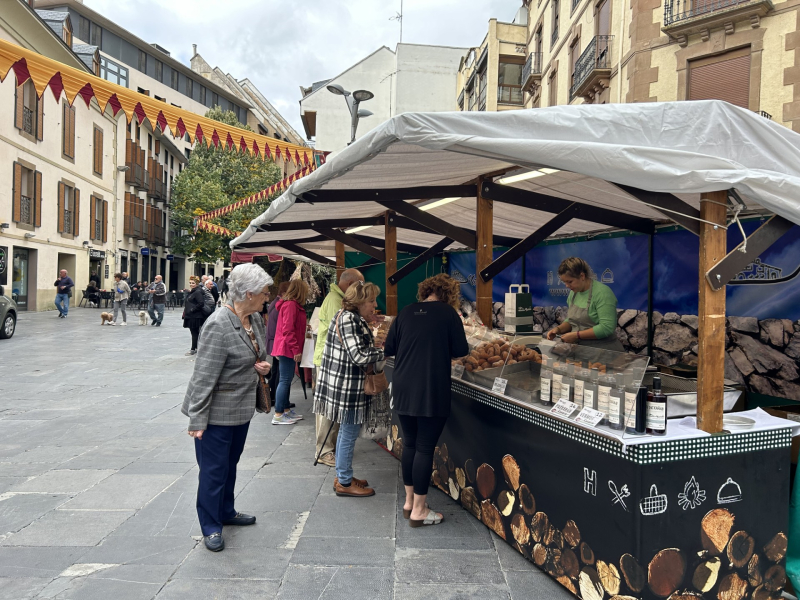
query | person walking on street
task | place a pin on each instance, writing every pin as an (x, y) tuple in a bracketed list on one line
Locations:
[(272, 326), (126, 278), (349, 353), (423, 339), (290, 335), (122, 292), (212, 289), (220, 399), (193, 312), (158, 297), (330, 307), (64, 285)]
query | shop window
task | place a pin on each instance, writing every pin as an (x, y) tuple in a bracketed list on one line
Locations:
[(27, 196), (98, 219), (29, 111), (68, 131), (97, 158), (69, 209)]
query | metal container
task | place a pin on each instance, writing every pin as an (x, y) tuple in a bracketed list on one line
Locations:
[(682, 394), (523, 380)]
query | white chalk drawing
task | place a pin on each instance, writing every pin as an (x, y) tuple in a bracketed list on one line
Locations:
[(619, 495), (729, 493), (607, 276), (590, 482), (692, 496), (654, 504), (550, 278)]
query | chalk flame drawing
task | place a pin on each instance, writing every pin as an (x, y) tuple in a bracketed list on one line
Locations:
[(692, 496)]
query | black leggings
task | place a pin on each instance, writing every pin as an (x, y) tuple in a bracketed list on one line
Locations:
[(420, 435), (195, 329)]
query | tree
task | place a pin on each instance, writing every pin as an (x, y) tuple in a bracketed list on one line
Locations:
[(217, 177)]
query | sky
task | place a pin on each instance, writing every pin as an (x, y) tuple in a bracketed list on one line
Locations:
[(283, 45)]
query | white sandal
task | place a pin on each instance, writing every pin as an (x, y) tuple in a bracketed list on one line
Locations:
[(433, 518)]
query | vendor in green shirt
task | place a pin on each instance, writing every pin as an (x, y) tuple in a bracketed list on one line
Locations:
[(592, 314)]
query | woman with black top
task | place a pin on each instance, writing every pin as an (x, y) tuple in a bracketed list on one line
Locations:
[(193, 314), (423, 339)]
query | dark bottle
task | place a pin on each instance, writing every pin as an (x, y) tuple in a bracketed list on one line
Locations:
[(656, 410)]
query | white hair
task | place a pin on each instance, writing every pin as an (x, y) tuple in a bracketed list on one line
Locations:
[(245, 278)]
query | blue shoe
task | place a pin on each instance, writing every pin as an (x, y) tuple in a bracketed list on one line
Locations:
[(241, 520), (294, 415), (214, 542)]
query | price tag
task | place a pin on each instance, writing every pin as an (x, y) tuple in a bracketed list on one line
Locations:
[(564, 408), (589, 416), (499, 386), (456, 370)]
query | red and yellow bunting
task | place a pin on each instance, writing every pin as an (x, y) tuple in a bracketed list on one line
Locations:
[(45, 72), (216, 229)]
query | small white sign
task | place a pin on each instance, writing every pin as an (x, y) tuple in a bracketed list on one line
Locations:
[(589, 416), (564, 408), (499, 386), (456, 371)]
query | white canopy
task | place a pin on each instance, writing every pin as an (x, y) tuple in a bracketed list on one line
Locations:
[(682, 148)]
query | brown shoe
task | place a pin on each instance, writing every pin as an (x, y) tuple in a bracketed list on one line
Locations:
[(328, 459), (353, 481), (354, 490)]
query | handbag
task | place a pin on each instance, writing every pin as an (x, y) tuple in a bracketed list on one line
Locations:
[(375, 383)]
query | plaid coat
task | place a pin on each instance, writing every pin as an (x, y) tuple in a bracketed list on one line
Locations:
[(339, 394)]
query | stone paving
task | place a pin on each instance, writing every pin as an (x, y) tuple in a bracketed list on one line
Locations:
[(98, 482)]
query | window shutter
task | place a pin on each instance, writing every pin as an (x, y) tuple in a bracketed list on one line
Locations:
[(61, 189), (725, 77), (72, 132), (16, 211), (19, 117), (40, 118), (37, 198), (76, 221), (92, 216), (105, 221), (98, 151), (64, 129)]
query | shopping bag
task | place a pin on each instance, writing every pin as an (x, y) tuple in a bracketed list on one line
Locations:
[(308, 354)]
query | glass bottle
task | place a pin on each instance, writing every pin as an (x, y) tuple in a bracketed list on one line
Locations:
[(590, 390), (558, 375), (656, 410), (604, 386), (546, 391), (567, 383), (616, 402), (581, 377), (631, 408)]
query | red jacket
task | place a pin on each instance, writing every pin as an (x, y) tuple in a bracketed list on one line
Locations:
[(290, 334)]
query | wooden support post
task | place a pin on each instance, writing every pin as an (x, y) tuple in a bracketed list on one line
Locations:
[(711, 313), (340, 266), (483, 255), (391, 264)]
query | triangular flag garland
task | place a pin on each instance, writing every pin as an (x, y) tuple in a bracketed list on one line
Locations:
[(45, 72), (216, 229)]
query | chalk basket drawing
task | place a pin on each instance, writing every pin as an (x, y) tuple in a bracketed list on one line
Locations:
[(654, 504), (691, 496), (729, 492)]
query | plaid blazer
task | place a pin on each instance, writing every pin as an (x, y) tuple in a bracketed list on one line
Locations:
[(339, 394), (222, 390)]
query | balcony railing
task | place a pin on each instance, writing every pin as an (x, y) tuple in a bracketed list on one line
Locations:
[(507, 94), (135, 227), (596, 56), (554, 37), (68, 221), (27, 120), (98, 230), (765, 114), (26, 210), (531, 70), (676, 11)]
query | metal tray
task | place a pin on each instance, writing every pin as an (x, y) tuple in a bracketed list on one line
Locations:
[(682, 394), (523, 380)]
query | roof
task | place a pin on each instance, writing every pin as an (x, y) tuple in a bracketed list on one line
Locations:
[(61, 52), (59, 16), (621, 166), (351, 67), (86, 53)]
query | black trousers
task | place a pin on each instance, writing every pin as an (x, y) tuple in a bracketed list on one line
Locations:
[(420, 435), (274, 375), (195, 330)]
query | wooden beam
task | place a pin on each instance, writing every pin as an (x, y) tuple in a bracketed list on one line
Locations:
[(307, 240), (483, 254), (711, 316), (391, 264), (546, 203), (432, 222), (340, 262), (757, 242), (325, 223), (352, 241), (419, 260), (669, 205), (318, 258), (534, 239), (381, 243), (427, 192)]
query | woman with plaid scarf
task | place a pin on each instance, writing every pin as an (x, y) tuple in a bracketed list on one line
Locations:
[(349, 352)]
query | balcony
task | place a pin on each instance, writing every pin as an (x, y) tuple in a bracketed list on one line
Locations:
[(27, 120), (532, 71), (26, 210), (554, 37), (135, 227), (509, 94), (593, 69), (156, 188), (134, 160), (683, 18)]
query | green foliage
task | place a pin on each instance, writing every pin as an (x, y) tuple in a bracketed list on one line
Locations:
[(214, 178)]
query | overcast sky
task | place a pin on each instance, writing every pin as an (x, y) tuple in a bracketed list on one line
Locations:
[(281, 45)]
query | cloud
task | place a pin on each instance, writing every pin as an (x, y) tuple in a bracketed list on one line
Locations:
[(283, 45)]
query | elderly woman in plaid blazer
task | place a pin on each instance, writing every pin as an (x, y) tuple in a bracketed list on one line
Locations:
[(349, 351), (221, 397)]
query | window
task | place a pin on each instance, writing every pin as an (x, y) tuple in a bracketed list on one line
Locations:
[(171, 162), (159, 70), (721, 77), (143, 91), (96, 35), (214, 99), (574, 55), (143, 61), (202, 94), (482, 90), (111, 71), (554, 39), (150, 143), (69, 209), (98, 152), (472, 95), (27, 196), (553, 99), (189, 87), (66, 33), (29, 111), (174, 79), (157, 97), (98, 219), (83, 28), (67, 131), (509, 79), (604, 18)]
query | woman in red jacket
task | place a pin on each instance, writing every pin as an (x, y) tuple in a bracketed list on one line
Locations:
[(290, 335)]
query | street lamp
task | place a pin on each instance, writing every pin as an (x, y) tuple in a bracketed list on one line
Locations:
[(353, 100)]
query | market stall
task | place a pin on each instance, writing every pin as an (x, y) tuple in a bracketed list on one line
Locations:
[(701, 509)]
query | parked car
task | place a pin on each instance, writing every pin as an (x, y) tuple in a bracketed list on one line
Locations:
[(8, 316)]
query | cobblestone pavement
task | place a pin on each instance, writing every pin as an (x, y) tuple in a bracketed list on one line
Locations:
[(98, 482)]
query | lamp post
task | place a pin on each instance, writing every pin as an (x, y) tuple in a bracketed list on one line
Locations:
[(353, 100)]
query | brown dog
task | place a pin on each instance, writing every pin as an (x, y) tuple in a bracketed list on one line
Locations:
[(106, 316)]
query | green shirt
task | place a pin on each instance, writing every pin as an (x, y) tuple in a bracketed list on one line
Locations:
[(330, 306), (603, 310)]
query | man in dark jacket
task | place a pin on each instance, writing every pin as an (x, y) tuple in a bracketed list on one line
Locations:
[(64, 285), (94, 278), (158, 297)]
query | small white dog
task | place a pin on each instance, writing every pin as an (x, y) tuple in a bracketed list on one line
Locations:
[(143, 317)]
